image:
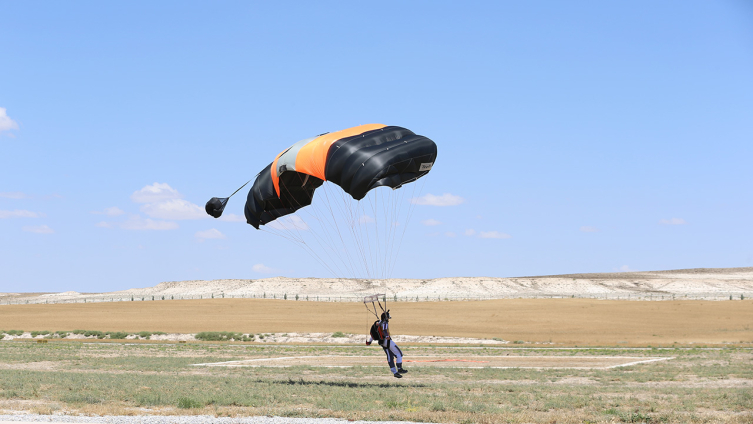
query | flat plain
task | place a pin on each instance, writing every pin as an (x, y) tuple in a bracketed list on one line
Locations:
[(560, 322), (566, 361)]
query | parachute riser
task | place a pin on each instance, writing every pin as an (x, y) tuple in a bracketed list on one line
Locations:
[(375, 298)]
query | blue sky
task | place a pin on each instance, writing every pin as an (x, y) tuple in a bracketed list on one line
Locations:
[(572, 136)]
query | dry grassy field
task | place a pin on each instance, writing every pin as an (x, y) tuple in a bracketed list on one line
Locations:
[(555, 382), (685, 385), (581, 322)]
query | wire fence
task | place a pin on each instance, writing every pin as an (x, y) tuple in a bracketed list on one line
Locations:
[(392, 298)]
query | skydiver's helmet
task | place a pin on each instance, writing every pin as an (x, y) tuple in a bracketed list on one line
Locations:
[(386, 316)]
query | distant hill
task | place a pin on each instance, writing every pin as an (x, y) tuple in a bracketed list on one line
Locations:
[(693, 283)]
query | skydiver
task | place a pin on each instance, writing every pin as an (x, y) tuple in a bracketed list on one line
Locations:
[(380, 332)]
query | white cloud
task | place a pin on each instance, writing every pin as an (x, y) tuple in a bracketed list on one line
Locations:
[(673, 221), (174, 209), (469, 232), (231, 217), (494, 235), (136, 222), (446, 199), (113, 211), (157, 192), (587, 229), (104, 224), (164, 202), (20, 214), (39, 229), (6, 124), (624, 268), (290, 222), (450, 234), (263, 269), (430, 222), (14, 195), (210, 234)]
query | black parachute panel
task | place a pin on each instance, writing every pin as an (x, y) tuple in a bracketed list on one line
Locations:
[(390, 156)]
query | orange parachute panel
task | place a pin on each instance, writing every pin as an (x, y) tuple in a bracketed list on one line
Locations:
[(312, 157)]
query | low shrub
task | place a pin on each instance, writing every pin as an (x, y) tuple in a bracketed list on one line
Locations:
[(62, 334), (339, 334), (97, 334), (218, 336), (39, 333), (2, 336), (14, 332), (117, 335), (79, 331), (145, 334)]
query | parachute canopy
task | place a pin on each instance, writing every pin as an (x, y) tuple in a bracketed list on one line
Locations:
[(356, 159)]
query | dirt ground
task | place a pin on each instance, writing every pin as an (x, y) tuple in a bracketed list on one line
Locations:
[(456, 361), (580, 322)]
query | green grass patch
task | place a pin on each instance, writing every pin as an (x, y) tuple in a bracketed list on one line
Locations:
[(218, 336), (188, 403)]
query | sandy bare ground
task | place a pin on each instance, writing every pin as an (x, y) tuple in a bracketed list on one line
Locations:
[(336, 361), (708, 283), (582, 322)]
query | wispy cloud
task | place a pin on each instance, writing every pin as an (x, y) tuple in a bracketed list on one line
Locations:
[(588, 229), (624, 268), (174, 209), (673, 221), (18, 213), (210, 234), (450, 234), (6, 124), (290, 222), (14, 195), (39, 229), (231, 217), (469, 232), (446, 199), (430, 222), (263, 269), (493, 235), (365, 219), (113, 211), (156, 192)]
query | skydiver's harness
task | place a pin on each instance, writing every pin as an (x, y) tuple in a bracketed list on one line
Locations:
[(377, 333)]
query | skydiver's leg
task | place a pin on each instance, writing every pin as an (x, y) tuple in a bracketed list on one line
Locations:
[(398, 357), (390, 359)]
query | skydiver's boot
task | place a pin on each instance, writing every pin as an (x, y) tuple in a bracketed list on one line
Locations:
[(397, 375), (400, 369)]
